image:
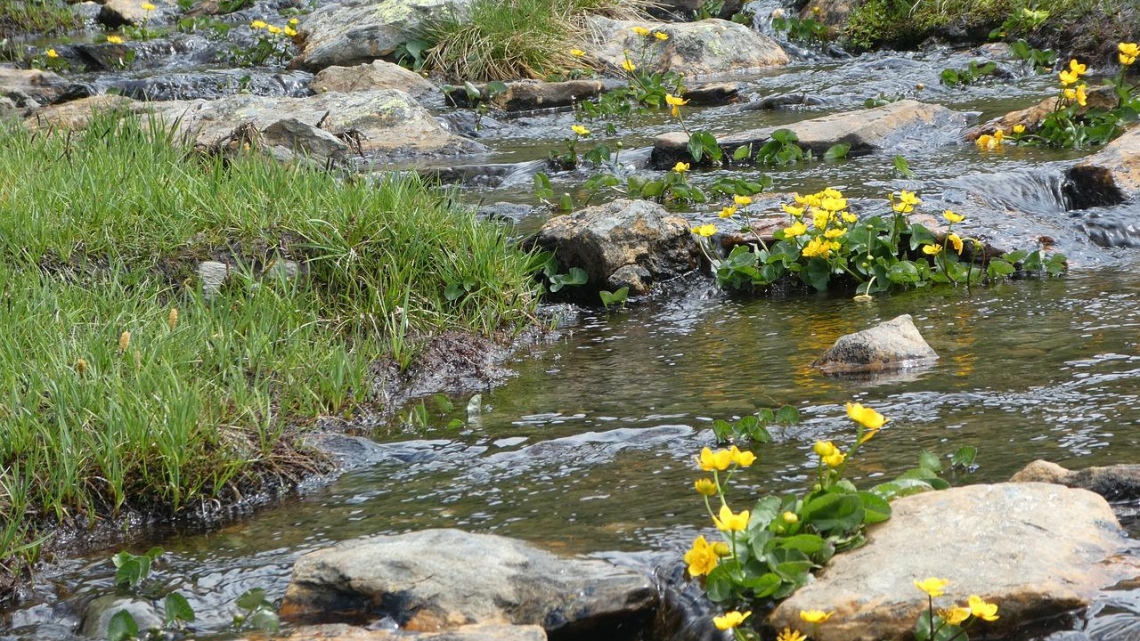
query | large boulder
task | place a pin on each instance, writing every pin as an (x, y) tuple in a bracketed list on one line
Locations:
[(1113, 482), (1036, 550), (358, 31), (441, 579), (906, 123), (708, 48), (624, 243), (1110, 176), (890, 345), (343, 632)]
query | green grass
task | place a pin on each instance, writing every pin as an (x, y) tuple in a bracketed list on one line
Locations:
[(46, 17), (100, 234), (505, 40)]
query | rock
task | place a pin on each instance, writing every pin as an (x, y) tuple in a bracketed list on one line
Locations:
[(624, 243), (688, 9), (706, 48), (209, 85), (1113, 482), (480, 632), (97, 617), (358, 31), (1031, 117), (831, 13), (1036, 550), (77, 113), (1108, 177), (893, 344), (377, 75), (41, 86), (905, 122), (441, 579), (116, 13), (526, 95), (290, 140), (212, 275)]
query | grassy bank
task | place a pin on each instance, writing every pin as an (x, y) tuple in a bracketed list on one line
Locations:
[(124, 388)]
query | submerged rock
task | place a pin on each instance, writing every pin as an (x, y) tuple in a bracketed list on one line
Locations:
[(1036, 550), (624, 243), (442, 579), (905, 122), (893, 344), (481, 632), (97, 618), (704, 48), (1113, 482), (358, 31)]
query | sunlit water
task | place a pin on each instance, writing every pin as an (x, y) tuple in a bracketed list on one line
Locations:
[(590, 448)]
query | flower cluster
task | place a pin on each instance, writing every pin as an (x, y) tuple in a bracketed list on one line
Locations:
[(1128, 53), (950, 622), (827, 212), (289, 30)]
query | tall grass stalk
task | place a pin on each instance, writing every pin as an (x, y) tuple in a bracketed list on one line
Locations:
[(100, 234)]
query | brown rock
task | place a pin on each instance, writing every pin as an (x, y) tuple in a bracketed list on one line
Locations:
[(893, 344), (1113, 482), (76, 114), (41, 86), (368, 77), (1110, 176)]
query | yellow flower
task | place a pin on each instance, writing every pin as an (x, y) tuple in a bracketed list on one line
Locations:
[(932, 250), (865, 416), (115, 40), (933, 586), (274, 29), (742, 200), (628, 65), (1082, 97), (833, 204), (1125, 60), (952, 217), (791, 210), (795, 230), (289, 31), (1077, 67), (681, 167), (51, 53), (835, 460), (834, 232), (1128, 52), (790, 517), (293, 22), (823, 448), (789, 634), (661, 35), (728, 212), (675, 103), (986, 141), (817, 247), (999, 135), (814, 616), (706, 486), (730, 522), (641, 31), (580, 130), (849, 217), (81, 366), (954, 615), (722, 549), (1067, 77), (730, 620), (1018, 129), (258, 24), (701, 558), (906, 202), (743, 459), (704, 231), (956, 241), (718, 460), (981, 609), (577, 53), (147, 6)]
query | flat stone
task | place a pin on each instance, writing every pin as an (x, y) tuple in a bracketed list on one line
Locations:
[(379, 74), (890, 345), (1036, 550), (442, 579)]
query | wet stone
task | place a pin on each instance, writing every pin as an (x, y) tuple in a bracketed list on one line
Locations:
[(890, 345)]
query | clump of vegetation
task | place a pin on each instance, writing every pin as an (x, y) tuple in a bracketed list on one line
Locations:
[(495, 40), (48, 17), (128, 388)]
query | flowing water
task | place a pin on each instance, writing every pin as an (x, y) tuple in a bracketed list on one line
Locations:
[(590, 448)]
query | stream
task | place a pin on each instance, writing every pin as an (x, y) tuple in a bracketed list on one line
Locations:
[(590, 448)]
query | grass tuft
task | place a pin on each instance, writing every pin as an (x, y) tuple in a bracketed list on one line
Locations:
[(39, 17)]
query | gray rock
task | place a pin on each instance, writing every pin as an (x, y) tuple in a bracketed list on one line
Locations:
[(1110, 176), (441, 579), (116, 13), (905, 122), (526, 95), (291, 140), (352, 32), (1113, 482), (890, 345), (212, 274), (97, 617), (40, 86), (624, 243), (76, 114), (704, 49), (1036, 550), (481, 632), (377, 75)]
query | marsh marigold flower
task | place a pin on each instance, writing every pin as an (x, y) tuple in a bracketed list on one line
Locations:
[(1128, 52), (294, 21), (577, 53), (115, 40), (274, 29), (956, 241), (981, 609), (701, 558), (706, 486), (932, 250), (814, 616), (906, 202), (789, 634), (681, 167), (628, 65), (742, 200), (289, 31), (823, 448), (955, 615), (1018, 129), (933, 586), (835, 460), (817, 247), (1077, 67), (797, 229), (730, 521), (730, 620), (661, 35), (792, 210), (51, 53), (952, 217), (641, 31), (258, 24), (580, 130), (719, 460), (743, 459), (146, 6), (865, 416), (704, 231), (728, 212), (675, 104)]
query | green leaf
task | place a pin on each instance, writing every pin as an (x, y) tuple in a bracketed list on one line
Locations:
[(742, 153), (719, 584), (903, 167), (964, 456), (901, 487), (876, 509), (834, 512), (785, 136), (177, 609), (929, 461), (722, 431), (817, 273), (122, 627), (790, 564), (764, 585), (999, 268), (837, 152), (494, 88), (807, 543), (788, 415), (266, 620), (252, 599), (130, 573), (764, 512), (453, 291)]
